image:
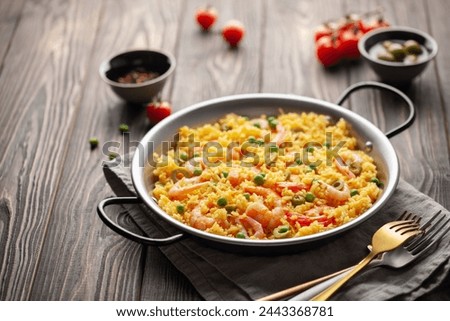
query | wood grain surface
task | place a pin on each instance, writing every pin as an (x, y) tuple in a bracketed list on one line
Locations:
[(52, 244)]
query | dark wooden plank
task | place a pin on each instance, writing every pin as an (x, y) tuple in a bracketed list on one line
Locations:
[(207, 67), (422, 149), (438, 26), (45, 66), (10, 13), (101, 265), (290, 64)]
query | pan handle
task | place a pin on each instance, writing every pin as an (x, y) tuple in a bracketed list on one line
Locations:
[(378, 85), (124, 232)]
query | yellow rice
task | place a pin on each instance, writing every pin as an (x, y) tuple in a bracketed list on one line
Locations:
[(293, 153)]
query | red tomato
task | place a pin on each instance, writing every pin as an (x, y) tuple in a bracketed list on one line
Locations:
[(349, 43), (322, 31), (303, 220), (351, 21), (206, 17), (233, 32), (157, 111), (327, 51)]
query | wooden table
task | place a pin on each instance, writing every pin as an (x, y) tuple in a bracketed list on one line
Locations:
[(52, 244)]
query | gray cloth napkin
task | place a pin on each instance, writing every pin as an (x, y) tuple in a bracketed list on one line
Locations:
[(224, 275)]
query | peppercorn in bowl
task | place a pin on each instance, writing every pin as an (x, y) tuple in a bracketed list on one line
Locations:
[(138, 76), (397, 54)]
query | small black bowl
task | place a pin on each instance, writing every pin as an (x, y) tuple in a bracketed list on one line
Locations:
[(154, 61), (397, 73)]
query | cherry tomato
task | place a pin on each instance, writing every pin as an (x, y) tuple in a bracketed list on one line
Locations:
[(206, 17), (233, 32), (349, 43), (351, 21), (157, 111), (323, 30), (327, 51)]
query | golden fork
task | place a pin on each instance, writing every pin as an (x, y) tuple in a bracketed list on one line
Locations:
[(387, 238)]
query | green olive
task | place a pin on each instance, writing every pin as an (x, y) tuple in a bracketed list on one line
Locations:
[(281, 232), (355, 168), (298, 200), (410, 59), (386, 57), (397, 51), (412, 47), (339, 185)]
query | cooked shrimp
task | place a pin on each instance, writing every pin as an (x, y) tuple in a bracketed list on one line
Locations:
[(260, 122), (257, 228), (185, 186), (280, 137), (200, 221), (194, 163), (268, 219), (234, 177), (261, 191), (351, 166), (338, 192)]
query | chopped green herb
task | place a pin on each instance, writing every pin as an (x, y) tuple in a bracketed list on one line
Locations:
[(240, 235), (273, 149)]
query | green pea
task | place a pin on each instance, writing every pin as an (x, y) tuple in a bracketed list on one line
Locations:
[(93, 141), (259, 179), (184, 156), (222, 202), (225, 174), (197, 172), (180, 209), (240, 235), (376, 181), (309, 197), (354, 192)]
